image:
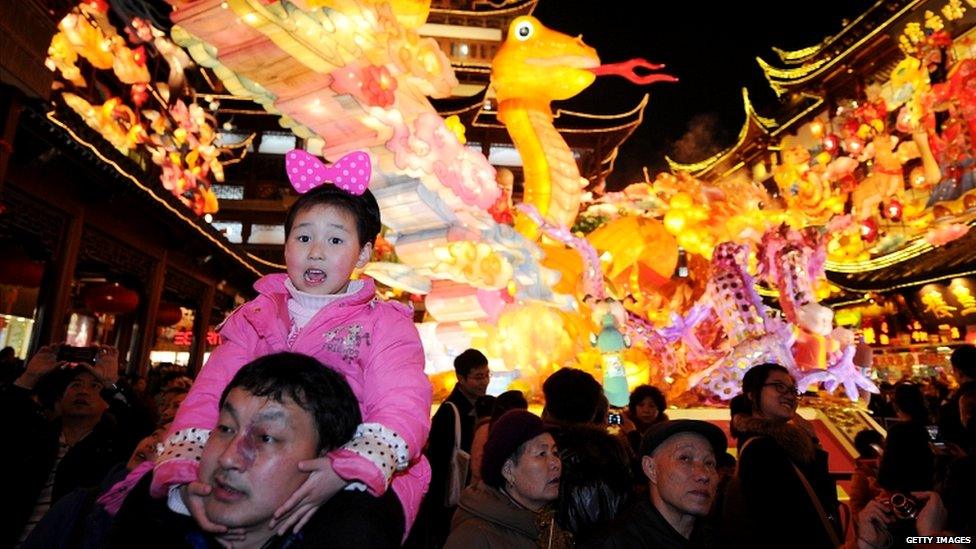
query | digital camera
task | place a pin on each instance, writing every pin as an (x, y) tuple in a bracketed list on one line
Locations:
[(904, 507)]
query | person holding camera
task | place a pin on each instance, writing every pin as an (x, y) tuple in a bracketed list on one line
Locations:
[(919, 512), (94, 427)]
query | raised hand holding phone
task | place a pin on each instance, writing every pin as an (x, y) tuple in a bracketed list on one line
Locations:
[(42, 363)]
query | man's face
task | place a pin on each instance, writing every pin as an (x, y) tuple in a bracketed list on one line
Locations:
[(682, 473), (251, 459), (81, 397), (475, 384)]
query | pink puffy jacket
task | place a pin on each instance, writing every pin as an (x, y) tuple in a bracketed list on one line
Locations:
[(372, 343)]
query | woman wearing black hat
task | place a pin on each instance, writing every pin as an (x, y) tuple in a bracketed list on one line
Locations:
[(510, 508)]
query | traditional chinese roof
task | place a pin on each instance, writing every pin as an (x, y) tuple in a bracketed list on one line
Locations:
[(595, 137), (804, 78), (841, 54), (755, 133), (915, 265), (480, 13)]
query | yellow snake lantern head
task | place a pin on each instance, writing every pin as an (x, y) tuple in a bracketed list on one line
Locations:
[(536, 62)]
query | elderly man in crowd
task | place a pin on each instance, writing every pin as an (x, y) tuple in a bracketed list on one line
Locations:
[(279, 410), (679, 459)]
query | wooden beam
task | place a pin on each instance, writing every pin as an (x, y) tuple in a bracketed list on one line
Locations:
[(154, 292), (201, 326), (54, 309)]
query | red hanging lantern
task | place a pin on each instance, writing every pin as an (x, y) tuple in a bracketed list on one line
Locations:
[(18, 269), (168, 314), (110, 298)]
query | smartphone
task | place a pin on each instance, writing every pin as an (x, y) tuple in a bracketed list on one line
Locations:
[(67, 353), (615, 419)]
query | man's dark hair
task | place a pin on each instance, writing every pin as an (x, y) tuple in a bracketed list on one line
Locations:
[(572, 396), (646, 391), (50, 389), (910, 401), (469, 360), (363, 208), (509, 400), (868, 442), (313, 386), (483, 406), (964, 360), (740, 405), (907, 464)]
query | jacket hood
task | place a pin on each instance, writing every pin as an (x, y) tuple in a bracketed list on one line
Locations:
[(495, 507)]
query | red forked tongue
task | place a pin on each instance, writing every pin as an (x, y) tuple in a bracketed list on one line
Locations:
[(628, 70)]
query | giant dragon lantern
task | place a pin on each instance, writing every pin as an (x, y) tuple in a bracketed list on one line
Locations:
[(534, 67)]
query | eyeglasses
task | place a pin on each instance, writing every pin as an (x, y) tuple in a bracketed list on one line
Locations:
[(783, 388)]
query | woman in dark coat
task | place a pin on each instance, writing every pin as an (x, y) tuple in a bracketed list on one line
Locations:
[(782, 493)]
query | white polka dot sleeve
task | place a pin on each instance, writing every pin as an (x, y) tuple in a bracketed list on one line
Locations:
[(382, 446), (186, 444)]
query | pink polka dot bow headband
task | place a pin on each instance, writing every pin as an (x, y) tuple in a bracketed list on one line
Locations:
[(350, 173)]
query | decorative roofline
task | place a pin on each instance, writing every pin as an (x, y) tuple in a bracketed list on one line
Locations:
[(519, 7), (752, 119), (781, 79)]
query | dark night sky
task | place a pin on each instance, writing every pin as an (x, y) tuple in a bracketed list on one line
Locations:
[(710, 47)]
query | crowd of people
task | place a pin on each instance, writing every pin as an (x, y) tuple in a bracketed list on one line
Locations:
[(90, 444), (310, 426)]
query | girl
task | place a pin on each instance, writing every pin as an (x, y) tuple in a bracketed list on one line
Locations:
[(315, 309)]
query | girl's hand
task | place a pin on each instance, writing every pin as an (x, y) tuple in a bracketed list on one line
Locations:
[(193, 495), (322, 483)]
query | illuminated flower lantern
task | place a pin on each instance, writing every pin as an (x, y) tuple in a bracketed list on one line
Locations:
[(536, 339)]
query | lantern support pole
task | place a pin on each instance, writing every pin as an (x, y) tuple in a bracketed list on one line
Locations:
[(54, 309), (200, 328), (154, 293)]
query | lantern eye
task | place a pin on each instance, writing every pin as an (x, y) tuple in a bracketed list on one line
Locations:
[(524, 30)]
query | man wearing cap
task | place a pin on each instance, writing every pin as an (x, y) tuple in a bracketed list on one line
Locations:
[(679, 459)]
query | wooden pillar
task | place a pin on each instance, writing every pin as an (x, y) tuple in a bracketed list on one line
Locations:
[(56, 306), (154, 293), (201, 326), (10, 107)]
